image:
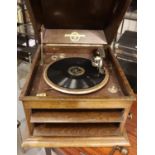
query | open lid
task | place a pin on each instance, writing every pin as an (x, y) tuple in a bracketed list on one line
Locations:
[(103, 15)]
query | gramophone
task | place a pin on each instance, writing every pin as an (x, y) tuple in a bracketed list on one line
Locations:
[(76, 94)]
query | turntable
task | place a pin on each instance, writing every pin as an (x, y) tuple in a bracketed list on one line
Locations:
[(75, 75), (76, 94)]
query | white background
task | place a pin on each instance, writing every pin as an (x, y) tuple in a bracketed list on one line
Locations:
[(146, 77)]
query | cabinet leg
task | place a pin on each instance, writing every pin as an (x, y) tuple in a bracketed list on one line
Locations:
[(48, 151), (122, 150)]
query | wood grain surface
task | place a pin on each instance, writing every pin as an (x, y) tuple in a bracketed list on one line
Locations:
[(77, 130), (76, 116), (132, 133), (58, 36)]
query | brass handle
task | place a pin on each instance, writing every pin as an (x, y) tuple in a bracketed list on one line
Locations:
[(130, 115), (122, 150)]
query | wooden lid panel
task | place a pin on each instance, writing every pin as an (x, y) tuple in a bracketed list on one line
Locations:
[(78, 14), (63, 36)]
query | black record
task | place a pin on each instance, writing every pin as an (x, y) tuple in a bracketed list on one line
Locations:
[(74, 73)]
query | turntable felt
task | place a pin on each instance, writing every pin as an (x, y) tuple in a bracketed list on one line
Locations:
[(74, 75)]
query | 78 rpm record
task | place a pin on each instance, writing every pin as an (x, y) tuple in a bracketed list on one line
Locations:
[(75, 75)]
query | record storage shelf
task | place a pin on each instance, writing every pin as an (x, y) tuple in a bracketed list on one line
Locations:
[(76, 123)]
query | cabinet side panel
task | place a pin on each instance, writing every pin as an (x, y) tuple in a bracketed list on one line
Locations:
[(29, 80), (121, 76)]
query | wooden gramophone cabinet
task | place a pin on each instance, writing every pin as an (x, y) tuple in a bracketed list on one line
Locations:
[(56, 119)]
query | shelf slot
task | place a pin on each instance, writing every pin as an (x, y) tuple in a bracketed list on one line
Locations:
[(76, 116), (77, 130)]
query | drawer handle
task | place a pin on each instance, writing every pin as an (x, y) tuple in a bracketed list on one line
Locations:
[(130, 115), (122, 150)]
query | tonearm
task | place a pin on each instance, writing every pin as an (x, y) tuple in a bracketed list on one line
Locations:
[(97, 59)]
